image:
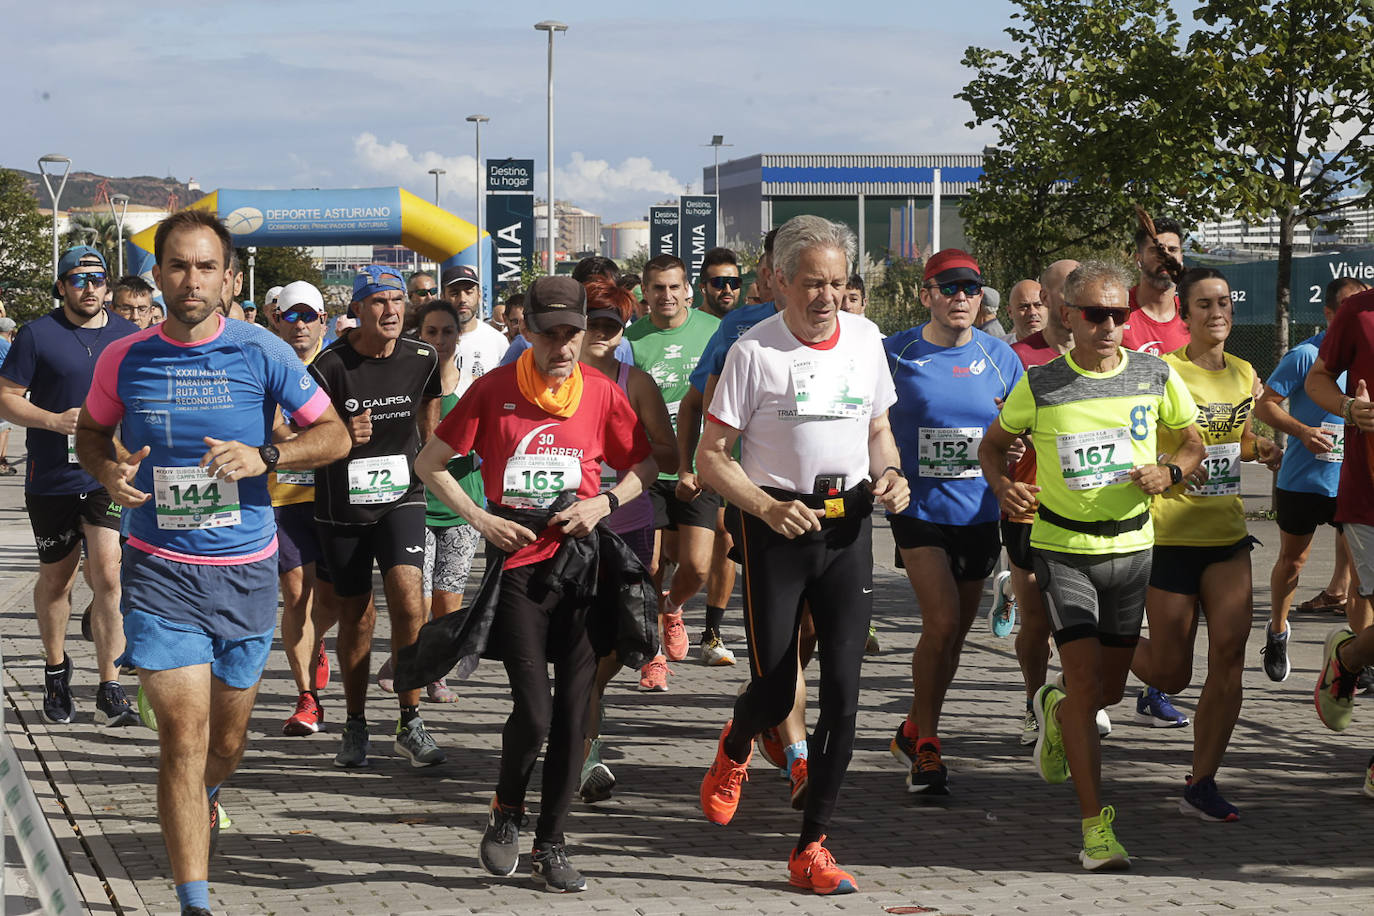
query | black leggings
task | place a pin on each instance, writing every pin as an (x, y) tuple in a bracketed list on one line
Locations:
[(832, 571), (533, 628)]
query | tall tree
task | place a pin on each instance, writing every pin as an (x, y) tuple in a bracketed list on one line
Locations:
[(278, 267), (25, 250), (99, 230), (1288, 87), (1083, 106)]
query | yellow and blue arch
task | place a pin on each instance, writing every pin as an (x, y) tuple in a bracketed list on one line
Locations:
[(355, 216)]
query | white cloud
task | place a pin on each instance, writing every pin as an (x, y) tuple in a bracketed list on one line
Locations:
[(596, 180)]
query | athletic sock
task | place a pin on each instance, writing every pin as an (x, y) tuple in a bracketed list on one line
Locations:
[(909, 730), (409, 714), (930, 741), (795, 752), (193, 894), (357, 717), (714, 616), (55, 670), (211, 792), (1091, 822), (811, 832)]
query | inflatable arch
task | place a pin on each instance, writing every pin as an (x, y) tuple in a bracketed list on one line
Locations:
[(358, 216)]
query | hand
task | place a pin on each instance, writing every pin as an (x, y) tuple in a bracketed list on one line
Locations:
[(504, 533), (1316, 440), (688, 487), (1018, 450), (360, 427), (792, 518), (892, 492), (1153, 479), (1362, 410), (232, 460), (1018, 499), (581, 517), (64, 423), (1268, 453), (119, 482)]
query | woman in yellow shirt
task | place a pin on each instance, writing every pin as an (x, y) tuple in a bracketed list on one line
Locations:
[(1202, 548)]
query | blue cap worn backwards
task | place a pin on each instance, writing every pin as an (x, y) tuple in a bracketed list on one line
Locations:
[(374, 278), (72, 258)]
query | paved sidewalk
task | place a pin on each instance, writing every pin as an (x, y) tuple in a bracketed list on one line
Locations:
[(308, 838)]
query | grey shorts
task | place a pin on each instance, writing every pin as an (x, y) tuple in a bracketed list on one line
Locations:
[(1093, 596), (448, 558), (1361, 541)]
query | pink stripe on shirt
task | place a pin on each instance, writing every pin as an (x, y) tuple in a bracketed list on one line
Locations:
[(199, 560)]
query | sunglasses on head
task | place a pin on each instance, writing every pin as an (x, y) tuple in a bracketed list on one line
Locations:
[(90, 278), (971, 288), (306, 315), (1097, 315), (719, 283)]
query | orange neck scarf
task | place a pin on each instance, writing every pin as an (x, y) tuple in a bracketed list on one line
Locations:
[(535, 388)]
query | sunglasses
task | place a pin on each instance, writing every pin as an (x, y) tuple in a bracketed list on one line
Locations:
[(719, 283), (425, 293), (90, 278), (306, 315), (971, 288), (1097, 315)]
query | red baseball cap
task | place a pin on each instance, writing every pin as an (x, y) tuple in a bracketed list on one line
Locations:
[(949, 265)]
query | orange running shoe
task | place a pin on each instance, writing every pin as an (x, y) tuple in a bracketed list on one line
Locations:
[(772, 749), (800, 781), (675, 642), (720, 787), (814, 868), (321, 667)]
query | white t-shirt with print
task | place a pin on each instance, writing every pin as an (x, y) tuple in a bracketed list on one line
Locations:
[(478, 352)]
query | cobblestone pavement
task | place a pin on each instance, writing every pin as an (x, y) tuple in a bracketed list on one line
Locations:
[(308, 838)]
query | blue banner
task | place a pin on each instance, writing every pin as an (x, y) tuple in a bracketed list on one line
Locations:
[(337, 217), (510, 222), (662, 231)]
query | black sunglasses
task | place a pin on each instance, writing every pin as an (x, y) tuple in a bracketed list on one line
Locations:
[(971, 288), (722, 282), (1095, 314), (425, 293)]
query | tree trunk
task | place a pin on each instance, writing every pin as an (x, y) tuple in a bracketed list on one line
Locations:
[(1283, 283)]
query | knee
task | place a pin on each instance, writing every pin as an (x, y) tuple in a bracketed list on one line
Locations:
[(227, 747)]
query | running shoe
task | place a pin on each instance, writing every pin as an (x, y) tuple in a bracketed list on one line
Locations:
[(713, 651), (1323, 602), (307, 719), (597, 780), (1364, 684), (872, 646), (1202, 800), (1369, 778), (1275, 655), (720, 787), (145, 710), (386, 676), (1335, 693), (321, 667), (928, 775), (87, 633), (1030, 729), (353, 753), (675, 641), (1104, 723), (814, 869), (217, 820), (654, 676), (7, 469), (551, 866), (1153, 707), (112, 707), (414, 742), (772, 749), (500, 851), (196, 911), (801, 780), (1003, 615), (1100, 846), (441, 692), (904, 748), (57, 693), (1049, 757)]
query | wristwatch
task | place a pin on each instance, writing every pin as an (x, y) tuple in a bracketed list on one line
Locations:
[(1175, 474), (270, 455)]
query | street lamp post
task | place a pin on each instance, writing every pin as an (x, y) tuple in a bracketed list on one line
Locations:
[(122, 200), (717, 141), (477, 121), (252, 272), (436, 173), (54, 160), (551, 224)]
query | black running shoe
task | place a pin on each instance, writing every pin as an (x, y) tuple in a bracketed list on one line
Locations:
[(551, 866), (501, 839), (196, 911), (57, 692), (112, 707), (928, 775)]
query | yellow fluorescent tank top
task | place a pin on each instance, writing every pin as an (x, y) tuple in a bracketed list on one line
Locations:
[(287, 488), (1211, 515)]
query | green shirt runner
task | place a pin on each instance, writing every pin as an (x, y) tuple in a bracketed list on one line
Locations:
[(670, 354)]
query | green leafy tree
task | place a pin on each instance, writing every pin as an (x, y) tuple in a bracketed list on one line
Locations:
[(1083, 106), (99, 230), (894, 295), (278, 267), (25, 251), (1287, 86)]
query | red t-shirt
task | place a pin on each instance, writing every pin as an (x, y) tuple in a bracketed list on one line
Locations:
[(529, 455), (1349, 348), (1033, 351), (1143, 333)]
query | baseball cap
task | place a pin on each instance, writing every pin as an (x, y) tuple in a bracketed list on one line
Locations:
[(950, 265), (272, 295), (300, 293), (459, 273), (72, 258), (6, 325), (609, 314), (552, 301), (374, 278), (991, 298)]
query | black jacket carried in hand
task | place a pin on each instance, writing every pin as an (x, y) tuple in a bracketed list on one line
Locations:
[(598, 571)]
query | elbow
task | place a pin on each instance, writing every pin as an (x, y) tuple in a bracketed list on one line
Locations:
[(666, 461)]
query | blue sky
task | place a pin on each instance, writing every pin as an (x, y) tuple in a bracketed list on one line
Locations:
[(298, 93)]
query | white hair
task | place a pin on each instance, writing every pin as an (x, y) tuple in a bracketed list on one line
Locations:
[(802, 232)]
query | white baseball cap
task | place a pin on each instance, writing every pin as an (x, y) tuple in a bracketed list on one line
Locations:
[(300, 293), (272, 295)]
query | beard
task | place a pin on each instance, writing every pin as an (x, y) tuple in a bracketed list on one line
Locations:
[(193, 312)]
